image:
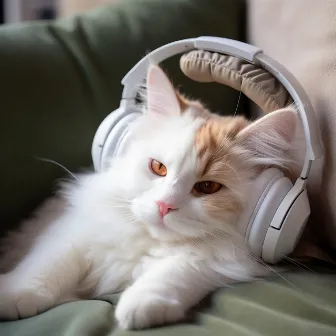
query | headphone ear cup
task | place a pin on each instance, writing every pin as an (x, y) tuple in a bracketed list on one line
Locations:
[(115, 143), (101, 135), (111, 135), (267, 192), (287, 225)]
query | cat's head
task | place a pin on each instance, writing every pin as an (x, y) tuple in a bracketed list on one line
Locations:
[(188, 171)]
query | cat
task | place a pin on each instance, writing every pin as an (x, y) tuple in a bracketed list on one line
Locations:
[(159, 224)]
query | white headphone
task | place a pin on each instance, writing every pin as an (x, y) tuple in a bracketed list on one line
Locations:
[(277, 212)]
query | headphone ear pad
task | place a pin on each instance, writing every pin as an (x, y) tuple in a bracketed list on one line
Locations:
[(267, 193), (118, 136), (101, 135), (111, 135)]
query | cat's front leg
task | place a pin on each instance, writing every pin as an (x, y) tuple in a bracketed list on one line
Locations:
[(46, 277), (164, 293)]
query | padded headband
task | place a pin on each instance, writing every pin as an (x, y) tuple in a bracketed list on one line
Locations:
[(252, 80), (254, 57)]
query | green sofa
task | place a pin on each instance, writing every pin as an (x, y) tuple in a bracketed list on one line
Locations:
[(59, 80)]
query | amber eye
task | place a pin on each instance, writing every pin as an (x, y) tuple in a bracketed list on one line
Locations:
[(157, 167), (207, 187)]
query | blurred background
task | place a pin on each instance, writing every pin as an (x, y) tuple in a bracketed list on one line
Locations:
[(24, 10)]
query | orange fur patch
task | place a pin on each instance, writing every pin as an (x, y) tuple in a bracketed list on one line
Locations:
[(193, 106), (214, 142)]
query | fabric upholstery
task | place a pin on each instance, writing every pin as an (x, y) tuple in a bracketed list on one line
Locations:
[(297, 305)]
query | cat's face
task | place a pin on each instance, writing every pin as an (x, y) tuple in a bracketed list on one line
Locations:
[(188, 172)]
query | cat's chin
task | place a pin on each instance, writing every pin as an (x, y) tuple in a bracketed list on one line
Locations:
[(170, 230), (159, 230)]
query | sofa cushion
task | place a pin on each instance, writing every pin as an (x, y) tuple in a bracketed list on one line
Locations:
[(295, 305)]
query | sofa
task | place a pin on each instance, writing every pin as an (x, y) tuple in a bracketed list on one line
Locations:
[(59, 79)]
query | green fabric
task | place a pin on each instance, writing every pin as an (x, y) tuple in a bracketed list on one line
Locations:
[(303, 305), (60, 79)]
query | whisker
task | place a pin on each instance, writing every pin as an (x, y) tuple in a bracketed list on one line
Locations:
[(59, 165), (240, 93), (209, 243), (219, 238), (246, 252), (267, 266), (298, 264), (120, 207), (194, 242)]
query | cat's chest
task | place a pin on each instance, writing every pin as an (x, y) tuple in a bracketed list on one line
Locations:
[(123, 250), (115, 264)]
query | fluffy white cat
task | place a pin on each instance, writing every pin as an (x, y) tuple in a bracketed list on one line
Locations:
[(158, 224)]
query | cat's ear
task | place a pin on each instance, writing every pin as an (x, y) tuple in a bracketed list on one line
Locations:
[(161, 95), (269, 138)]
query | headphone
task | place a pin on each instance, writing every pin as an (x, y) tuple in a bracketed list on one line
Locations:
[(278, 210)]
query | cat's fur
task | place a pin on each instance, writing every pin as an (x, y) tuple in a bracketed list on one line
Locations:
[(104, 234)]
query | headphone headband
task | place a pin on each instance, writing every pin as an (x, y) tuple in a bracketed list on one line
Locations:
[(251, 54)]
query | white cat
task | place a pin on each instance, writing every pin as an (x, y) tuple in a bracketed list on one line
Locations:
[(159, 224)]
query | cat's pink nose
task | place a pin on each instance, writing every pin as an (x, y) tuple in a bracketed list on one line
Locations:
[(164, 208)]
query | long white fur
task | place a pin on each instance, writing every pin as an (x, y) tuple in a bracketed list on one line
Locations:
[(103, 233)]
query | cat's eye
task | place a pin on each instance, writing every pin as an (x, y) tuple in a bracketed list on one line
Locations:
[(207, 187), (157, 167)]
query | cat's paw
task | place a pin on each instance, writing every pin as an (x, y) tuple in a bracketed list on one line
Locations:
[(142, 309), (23, 304)]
